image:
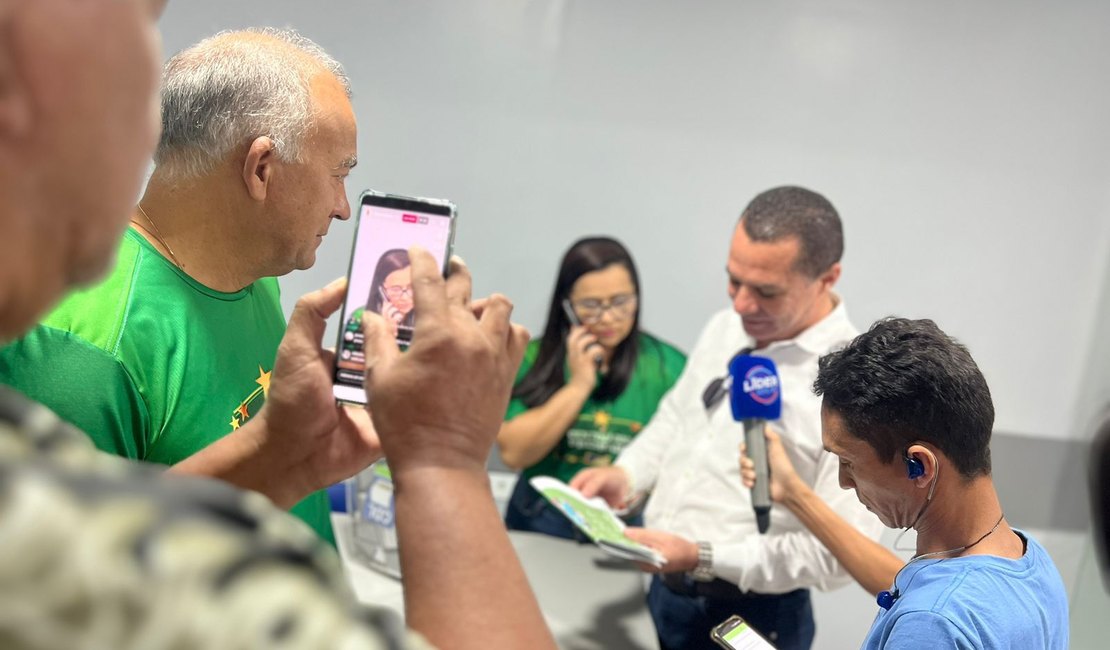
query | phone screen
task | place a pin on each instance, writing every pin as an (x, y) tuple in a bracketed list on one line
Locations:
[(736, 634), (379, 278)]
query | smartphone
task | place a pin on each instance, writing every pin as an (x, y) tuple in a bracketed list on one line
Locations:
[(736, 634), (379, 277), (572, 316)]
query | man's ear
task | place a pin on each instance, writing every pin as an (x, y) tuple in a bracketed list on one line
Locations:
[(258, 167), (829, 277), (928, 463), (15, 99)]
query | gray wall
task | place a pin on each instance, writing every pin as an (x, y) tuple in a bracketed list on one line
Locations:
[(964, 144)]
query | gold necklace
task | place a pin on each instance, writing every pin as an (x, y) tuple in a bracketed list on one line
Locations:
[(158, 235)]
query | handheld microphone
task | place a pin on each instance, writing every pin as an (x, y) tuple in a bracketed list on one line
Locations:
[(756, 397)]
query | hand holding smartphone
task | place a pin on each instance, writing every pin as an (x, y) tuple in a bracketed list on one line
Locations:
[(379, 277), (572, 316), (736, 634), (568, 309)]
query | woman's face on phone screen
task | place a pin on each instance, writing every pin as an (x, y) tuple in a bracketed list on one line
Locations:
[(398, 289)]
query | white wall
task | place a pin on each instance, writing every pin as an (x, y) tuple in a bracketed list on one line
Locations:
[(964, 144)]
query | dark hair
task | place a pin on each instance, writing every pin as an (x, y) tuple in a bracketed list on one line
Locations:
[(390, 261), (547, 374), (905, 381), (791, 211)]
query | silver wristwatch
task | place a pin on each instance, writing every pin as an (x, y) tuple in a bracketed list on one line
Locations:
[(703, 572)]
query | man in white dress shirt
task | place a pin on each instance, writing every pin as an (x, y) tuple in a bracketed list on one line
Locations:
[(783, 263)]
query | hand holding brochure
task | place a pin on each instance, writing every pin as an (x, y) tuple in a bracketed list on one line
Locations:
[(596, 520)]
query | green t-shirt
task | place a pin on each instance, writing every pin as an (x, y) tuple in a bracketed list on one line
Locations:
[(603, 428), (154, 366)]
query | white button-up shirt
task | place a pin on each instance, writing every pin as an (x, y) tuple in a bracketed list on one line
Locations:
[(689, 459)]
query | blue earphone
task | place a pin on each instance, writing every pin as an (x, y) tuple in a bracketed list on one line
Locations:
[(914, 468)]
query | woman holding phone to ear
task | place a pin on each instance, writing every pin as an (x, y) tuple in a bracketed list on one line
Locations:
[(391, 290), (390, 296), (588, 385)]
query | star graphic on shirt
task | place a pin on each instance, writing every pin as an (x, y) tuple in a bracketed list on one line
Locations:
[(243, 412), (263, 381), (234, 423), (601, 420)]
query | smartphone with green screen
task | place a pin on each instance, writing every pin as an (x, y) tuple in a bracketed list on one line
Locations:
[(736, 634)]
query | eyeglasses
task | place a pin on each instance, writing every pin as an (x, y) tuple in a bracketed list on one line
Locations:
[(590, 310), (719, 387), (397, 291)]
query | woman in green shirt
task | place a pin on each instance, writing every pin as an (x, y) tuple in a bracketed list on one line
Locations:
[(588, 386)]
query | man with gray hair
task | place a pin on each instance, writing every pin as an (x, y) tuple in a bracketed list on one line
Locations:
[(175, 348), (783, 263), (100, 552)]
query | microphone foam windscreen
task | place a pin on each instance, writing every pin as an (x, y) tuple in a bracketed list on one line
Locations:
[(755, 393)]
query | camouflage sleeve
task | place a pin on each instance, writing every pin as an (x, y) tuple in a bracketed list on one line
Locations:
[(100, 552)]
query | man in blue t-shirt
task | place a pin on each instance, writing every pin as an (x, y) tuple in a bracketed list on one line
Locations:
[(910, 416)]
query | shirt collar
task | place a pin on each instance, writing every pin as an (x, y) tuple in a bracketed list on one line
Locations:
[(823, 335)]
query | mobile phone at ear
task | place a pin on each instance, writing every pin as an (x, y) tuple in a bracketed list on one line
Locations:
[(736, 634), (568, 309), (379, 276)]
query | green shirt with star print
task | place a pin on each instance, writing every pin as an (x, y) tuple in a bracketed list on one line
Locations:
[(155, 366), (603, 428)]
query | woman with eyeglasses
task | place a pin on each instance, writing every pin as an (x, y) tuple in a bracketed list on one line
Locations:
[(588, 386), (391, 290), (390, 296)]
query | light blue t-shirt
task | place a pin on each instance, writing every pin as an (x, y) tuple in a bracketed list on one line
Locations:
[(977, 601)]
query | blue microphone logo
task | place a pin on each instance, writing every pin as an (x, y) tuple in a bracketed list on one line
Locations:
[(761, 384), (756, 388)]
